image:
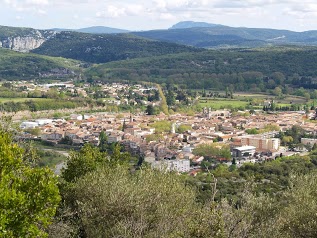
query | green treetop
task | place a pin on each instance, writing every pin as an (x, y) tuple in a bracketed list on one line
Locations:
[(28, 196)]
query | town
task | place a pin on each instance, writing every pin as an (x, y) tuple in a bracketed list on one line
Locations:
[(175, 141)]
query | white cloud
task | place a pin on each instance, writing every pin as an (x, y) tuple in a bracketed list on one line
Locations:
[(301, 10), (36, 2), (113, 11), (167, 16), (41, 12), (163, 13)]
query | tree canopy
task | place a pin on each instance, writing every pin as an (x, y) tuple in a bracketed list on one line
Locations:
[(28, 196)]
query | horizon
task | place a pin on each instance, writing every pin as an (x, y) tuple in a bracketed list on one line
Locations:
[(159, 14), (129, 30)]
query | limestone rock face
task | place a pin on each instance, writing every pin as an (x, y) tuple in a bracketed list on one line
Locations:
[(26, 43)]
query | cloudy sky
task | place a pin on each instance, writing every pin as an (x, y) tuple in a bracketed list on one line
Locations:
[(298, 15)]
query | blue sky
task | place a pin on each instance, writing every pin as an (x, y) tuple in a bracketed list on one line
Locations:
[(159, 14)]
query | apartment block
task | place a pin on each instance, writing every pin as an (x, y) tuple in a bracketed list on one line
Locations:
[(261, 143)]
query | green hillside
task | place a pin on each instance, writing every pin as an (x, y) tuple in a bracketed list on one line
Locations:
[(220, 68), (21, 66), (103, 48)]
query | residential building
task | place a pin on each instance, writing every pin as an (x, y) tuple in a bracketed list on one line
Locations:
[(261, 143), (308, 141)]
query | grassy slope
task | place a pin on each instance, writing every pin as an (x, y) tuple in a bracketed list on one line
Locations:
[(14, 65), (287, 60)]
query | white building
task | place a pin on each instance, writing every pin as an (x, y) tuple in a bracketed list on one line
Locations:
[(28, 125), (308, 141), (172, 165), (44, 121), (243, 151)]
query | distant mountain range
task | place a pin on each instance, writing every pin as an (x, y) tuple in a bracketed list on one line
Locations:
[(177, 54), (191, 24), (94, 30), (206, 35), (100, 44)]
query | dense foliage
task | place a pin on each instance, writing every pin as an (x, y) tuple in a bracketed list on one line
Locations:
[(244, 70), (16, 66), (28, 196), (39, 105), (270, 177), (103, 196), (111, 200), (213, 151), (107, 47)]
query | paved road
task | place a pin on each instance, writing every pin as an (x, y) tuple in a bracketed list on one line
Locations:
[(61, 165), (58, 168)]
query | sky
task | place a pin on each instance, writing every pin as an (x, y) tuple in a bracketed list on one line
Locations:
[(296, 15)]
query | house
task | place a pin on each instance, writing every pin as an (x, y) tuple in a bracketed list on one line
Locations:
[(72, 134), (113, 138), (308, 141), (52, 135), (149, 157)]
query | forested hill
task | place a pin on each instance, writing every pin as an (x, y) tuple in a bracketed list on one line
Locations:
[(22, 66), (101, 48), (219, 68), (94, 30), (216, 36)]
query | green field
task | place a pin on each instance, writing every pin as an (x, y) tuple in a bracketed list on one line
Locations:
[(219, 104), (243, 99), (3, 100)]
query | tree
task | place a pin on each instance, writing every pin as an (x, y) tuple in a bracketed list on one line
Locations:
[(170, 98), (103, 141), (52, 93), (287, 139), (277, 91), (66, 140), (214, 150), (118, 157), (162, 126), (252, 131), (182, 128), (28, 196), (148, 203), (82, 162), (163, 104), (278, 77), (150, 110), (34, 131)]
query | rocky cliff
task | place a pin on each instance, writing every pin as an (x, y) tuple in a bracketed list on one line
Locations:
[(23, 39)]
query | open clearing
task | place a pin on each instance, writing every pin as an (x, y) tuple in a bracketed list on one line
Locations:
[(2, 100), (219, 104)]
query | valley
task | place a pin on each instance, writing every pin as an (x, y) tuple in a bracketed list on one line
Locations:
[(133, 122)]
